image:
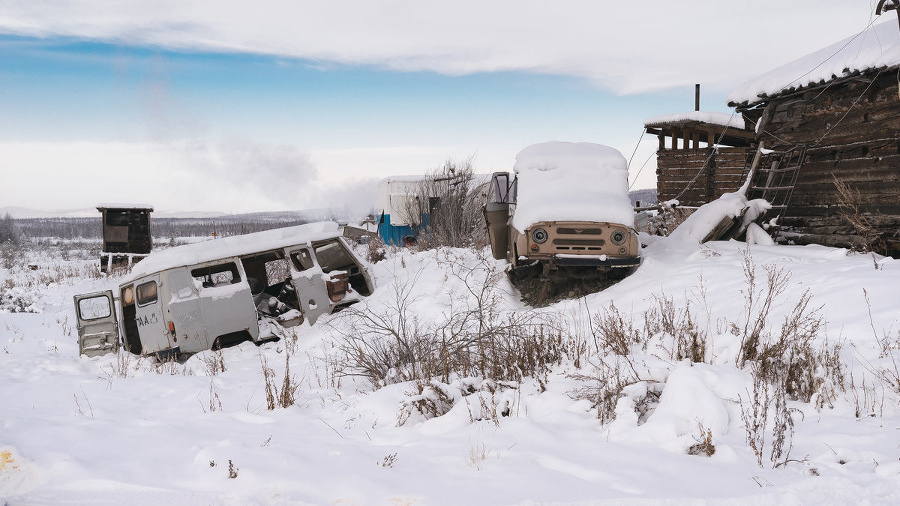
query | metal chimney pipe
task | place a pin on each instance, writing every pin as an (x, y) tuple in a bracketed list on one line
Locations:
[(697, 97)]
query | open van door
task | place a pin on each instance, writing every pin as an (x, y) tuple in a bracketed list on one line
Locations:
[(98, 327), (310, 283)]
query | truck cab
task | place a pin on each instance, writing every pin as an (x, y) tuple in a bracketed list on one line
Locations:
[(564, 210)]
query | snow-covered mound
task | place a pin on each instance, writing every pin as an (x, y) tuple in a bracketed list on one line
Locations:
[(124, 430)]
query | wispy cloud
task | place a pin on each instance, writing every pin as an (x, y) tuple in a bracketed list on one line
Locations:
[(625, 46)]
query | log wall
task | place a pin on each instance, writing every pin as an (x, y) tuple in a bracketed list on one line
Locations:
[(698, 176), (852, 130)]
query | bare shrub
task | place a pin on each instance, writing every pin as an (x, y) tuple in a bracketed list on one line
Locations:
[(121, 367), (614, 333), (375, 249), (758, 303), (760, 424), (389, 460), (704, 443), (667, 319), (387, 343), (431, 400), (787, 359), (286, 395), (604, 387), (477, 336), (850, 201), (171, 366), (868, 396), (215, 404), (451, 198), (214, 361), (888, 369)]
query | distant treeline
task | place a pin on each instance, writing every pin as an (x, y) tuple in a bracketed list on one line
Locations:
[(161, 228)]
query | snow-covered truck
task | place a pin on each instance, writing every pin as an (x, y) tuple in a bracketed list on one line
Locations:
[(564, 212), (203, 295)]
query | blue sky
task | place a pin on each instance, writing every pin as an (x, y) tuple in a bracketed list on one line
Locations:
[(106, 104)]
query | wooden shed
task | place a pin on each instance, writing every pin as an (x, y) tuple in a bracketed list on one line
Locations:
[(830, 126), (126, 234), (701, 155)]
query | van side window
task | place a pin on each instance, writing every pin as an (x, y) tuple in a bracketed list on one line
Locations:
[(332, 256), (216, 275), (146, 293), (302, 259)]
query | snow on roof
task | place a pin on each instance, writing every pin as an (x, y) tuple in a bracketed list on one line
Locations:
[(191, 254), (403, 179), (100, 207), (876, 47), (712, 118), (565, 181)]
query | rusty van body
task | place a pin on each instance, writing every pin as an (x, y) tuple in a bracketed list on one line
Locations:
[(203, 295)]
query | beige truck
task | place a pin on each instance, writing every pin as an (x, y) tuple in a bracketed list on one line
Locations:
[(565, 212)]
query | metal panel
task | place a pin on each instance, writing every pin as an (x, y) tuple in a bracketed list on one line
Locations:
[(98, 327)]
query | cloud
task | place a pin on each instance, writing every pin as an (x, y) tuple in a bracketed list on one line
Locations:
[(627, 47)]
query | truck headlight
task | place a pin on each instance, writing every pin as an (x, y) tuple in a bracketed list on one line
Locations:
[(539, 236), (618, 237)]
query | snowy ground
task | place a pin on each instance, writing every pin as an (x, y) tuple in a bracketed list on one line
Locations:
[(124, 430)]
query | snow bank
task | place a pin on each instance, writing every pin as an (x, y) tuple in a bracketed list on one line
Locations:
[(565, 181), (713, 118), (877, 47)]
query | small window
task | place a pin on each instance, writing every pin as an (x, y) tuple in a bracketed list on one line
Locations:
[(332, 256), (146, 293), (302, 259), (128, 295), (216, 275), (94, 308)]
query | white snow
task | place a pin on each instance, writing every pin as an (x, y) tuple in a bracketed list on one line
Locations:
[(123, 430), (125, 206), (702, 221), (712, 118), (876, 47), (566, 181)]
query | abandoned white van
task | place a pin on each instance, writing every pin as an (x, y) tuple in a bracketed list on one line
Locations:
[(203, 295)]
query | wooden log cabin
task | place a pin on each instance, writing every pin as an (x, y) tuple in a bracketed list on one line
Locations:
[(835, 114), (701, 155)]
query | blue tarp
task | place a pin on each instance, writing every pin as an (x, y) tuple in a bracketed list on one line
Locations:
[(398, 235)]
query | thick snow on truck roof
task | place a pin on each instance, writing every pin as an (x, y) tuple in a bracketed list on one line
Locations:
[(571, 181), (191, 254)]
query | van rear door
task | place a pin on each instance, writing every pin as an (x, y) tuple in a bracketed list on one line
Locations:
[(98, 327)]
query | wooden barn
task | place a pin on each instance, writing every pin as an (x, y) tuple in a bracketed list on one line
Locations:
[(829, 124), (701, 155)]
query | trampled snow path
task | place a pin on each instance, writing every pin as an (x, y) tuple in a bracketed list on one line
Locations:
[(74, 431)]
